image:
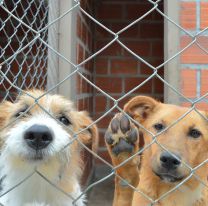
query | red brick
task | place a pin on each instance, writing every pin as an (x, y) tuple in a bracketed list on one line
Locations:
[(122, 102), (80, 53), (200, 105), (156, 16), (188, 7), (146, 70), (151, 30), (158, 86), (101, 66), (158, 49), (194, 54), (89, 66), (114, 49), (131, 32), (100, 103), (90, 7), (188, 15), (79, 104), (90, 109), (109, 84), (90, 40), (161, 72), (204, 15), (79, 84), (102, 33), (186, 104), (109, 11), (88, 36), (136, 11), (104, 122), (87, 5), (83, 4), (131, 83), (102, 139), (86, 87), (83, 86), (124, 66), (188, 83), (85, 104), (140, 48), (204, 82)]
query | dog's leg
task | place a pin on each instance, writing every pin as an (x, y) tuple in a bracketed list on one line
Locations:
[(122, 140), (204, 200), (139, 199)]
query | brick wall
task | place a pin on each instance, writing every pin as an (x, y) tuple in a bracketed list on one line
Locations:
[(84, 48), (116, 70), (84, 91), (194, 61)]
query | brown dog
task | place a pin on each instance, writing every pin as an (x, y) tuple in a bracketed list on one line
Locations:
[(166, 160)]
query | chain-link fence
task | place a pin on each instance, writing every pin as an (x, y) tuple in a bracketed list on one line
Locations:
[(24, 60), (24, 64)]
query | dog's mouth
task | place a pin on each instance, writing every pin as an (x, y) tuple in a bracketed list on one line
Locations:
[(169, 177), (36, 156)]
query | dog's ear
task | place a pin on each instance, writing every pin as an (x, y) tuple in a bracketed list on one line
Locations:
[(140, 107), (90, 135), (4, 112)]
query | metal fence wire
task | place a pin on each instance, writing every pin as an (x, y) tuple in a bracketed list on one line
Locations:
[(24, 59)]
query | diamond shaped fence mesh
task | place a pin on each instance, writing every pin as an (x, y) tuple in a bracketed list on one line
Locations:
[(24, 31)]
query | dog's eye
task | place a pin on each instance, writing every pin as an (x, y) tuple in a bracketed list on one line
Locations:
[(64, 120), (159, 126), (194, 133), (22, 112)]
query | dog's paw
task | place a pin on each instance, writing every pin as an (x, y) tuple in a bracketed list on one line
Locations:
[(121, 135)]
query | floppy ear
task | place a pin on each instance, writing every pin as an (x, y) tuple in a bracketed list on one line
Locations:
[(90, 135), (4, 112), (140, 107)]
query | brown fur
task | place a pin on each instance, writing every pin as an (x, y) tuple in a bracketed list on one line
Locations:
[(148, 112)]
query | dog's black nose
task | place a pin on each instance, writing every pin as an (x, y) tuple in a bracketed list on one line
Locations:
[(168, 161), (38, 137)]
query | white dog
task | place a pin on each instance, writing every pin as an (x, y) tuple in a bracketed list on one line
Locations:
[(36, 141)]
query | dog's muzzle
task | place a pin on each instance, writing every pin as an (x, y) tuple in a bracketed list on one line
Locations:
[(38, 137), (168, 169), (169, 162)]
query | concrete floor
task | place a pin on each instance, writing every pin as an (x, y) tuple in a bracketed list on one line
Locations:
[(101, 194)]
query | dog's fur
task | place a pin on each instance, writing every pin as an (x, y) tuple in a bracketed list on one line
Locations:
[(187, 142), (36, 204), (62, 167)]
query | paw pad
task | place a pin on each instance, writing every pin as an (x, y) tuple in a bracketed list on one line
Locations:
[(121, 135)]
